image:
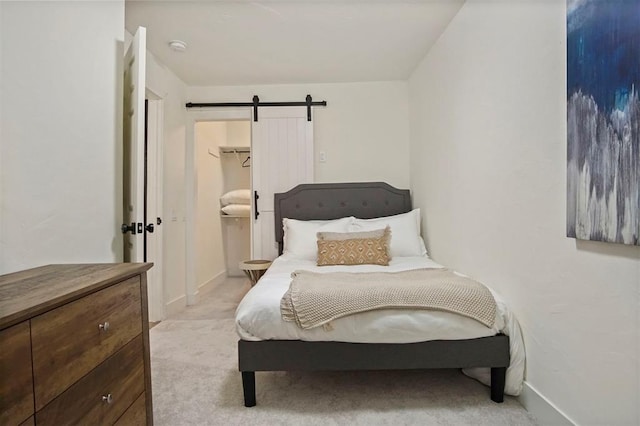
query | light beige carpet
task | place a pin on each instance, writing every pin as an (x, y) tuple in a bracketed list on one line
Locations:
[(196, 381)]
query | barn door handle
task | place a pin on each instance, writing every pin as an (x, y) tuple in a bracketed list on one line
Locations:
[(255, 203)]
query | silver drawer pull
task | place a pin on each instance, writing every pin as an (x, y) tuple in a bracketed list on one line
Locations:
[(107, 398), (104, 327)]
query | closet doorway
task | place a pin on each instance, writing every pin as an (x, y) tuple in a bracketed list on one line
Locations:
[(223, 199), (280, 156), (218, 142)]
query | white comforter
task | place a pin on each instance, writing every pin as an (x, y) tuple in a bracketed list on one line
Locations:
[(258, 318)]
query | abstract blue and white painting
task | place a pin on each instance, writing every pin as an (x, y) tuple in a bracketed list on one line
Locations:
[(603, 120)]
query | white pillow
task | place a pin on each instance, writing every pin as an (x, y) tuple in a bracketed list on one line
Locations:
[(300, 241), (237, 209), (405, 232), (238, 196)]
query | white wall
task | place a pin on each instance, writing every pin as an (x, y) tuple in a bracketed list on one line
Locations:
[(234, 176), (208, 236), (364, 129), (238, 133), (60, 132), (488, 159), (164, 84)]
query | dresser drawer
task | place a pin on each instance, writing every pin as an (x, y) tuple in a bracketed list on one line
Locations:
[(136, 415), (16, 380), (102, 396), (68, 342), (29, 422)]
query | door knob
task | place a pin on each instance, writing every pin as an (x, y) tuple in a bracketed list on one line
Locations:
[(128, 228), (149, 228)]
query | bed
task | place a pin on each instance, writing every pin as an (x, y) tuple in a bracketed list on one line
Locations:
[(268, 344)]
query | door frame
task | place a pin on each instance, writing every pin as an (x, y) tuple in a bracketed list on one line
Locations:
[(156, 282), (190, 176)]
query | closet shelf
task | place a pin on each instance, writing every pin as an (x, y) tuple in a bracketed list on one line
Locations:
[(234, 150), (233, 215)]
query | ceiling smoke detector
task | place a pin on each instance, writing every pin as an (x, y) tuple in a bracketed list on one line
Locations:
[(178, 45)]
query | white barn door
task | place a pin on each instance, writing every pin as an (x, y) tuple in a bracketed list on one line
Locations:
[(281, 158)]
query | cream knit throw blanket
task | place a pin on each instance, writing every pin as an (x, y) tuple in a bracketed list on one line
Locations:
[(314, 299)]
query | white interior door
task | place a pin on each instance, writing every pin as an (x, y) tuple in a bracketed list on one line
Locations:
[(281, 158), (133, 147)]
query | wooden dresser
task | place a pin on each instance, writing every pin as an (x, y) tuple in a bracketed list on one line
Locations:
[(74, 346)]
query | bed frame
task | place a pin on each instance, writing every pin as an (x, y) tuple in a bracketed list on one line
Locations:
[(362, 200)]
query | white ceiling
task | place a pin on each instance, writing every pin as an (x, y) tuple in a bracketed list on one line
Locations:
[(280, 42)]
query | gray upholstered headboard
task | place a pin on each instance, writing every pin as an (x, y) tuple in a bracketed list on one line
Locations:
[(322, 201)]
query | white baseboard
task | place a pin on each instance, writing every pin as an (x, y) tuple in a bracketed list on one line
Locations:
[(178, 304), (175, 306), (542, 409), (208, 285)]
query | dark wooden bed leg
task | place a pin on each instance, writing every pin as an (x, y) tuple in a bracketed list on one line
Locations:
[(498, 376), (249, 388)]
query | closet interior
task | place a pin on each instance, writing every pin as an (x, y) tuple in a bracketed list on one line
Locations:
[(235, 205), (223, 207)]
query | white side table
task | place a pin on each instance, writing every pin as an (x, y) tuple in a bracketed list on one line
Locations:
[(254, 269)]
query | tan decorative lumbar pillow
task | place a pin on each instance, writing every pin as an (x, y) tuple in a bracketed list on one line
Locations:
[(354, 248), (376, 233)]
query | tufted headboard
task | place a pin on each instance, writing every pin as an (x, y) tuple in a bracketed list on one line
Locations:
[(322, 201)]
